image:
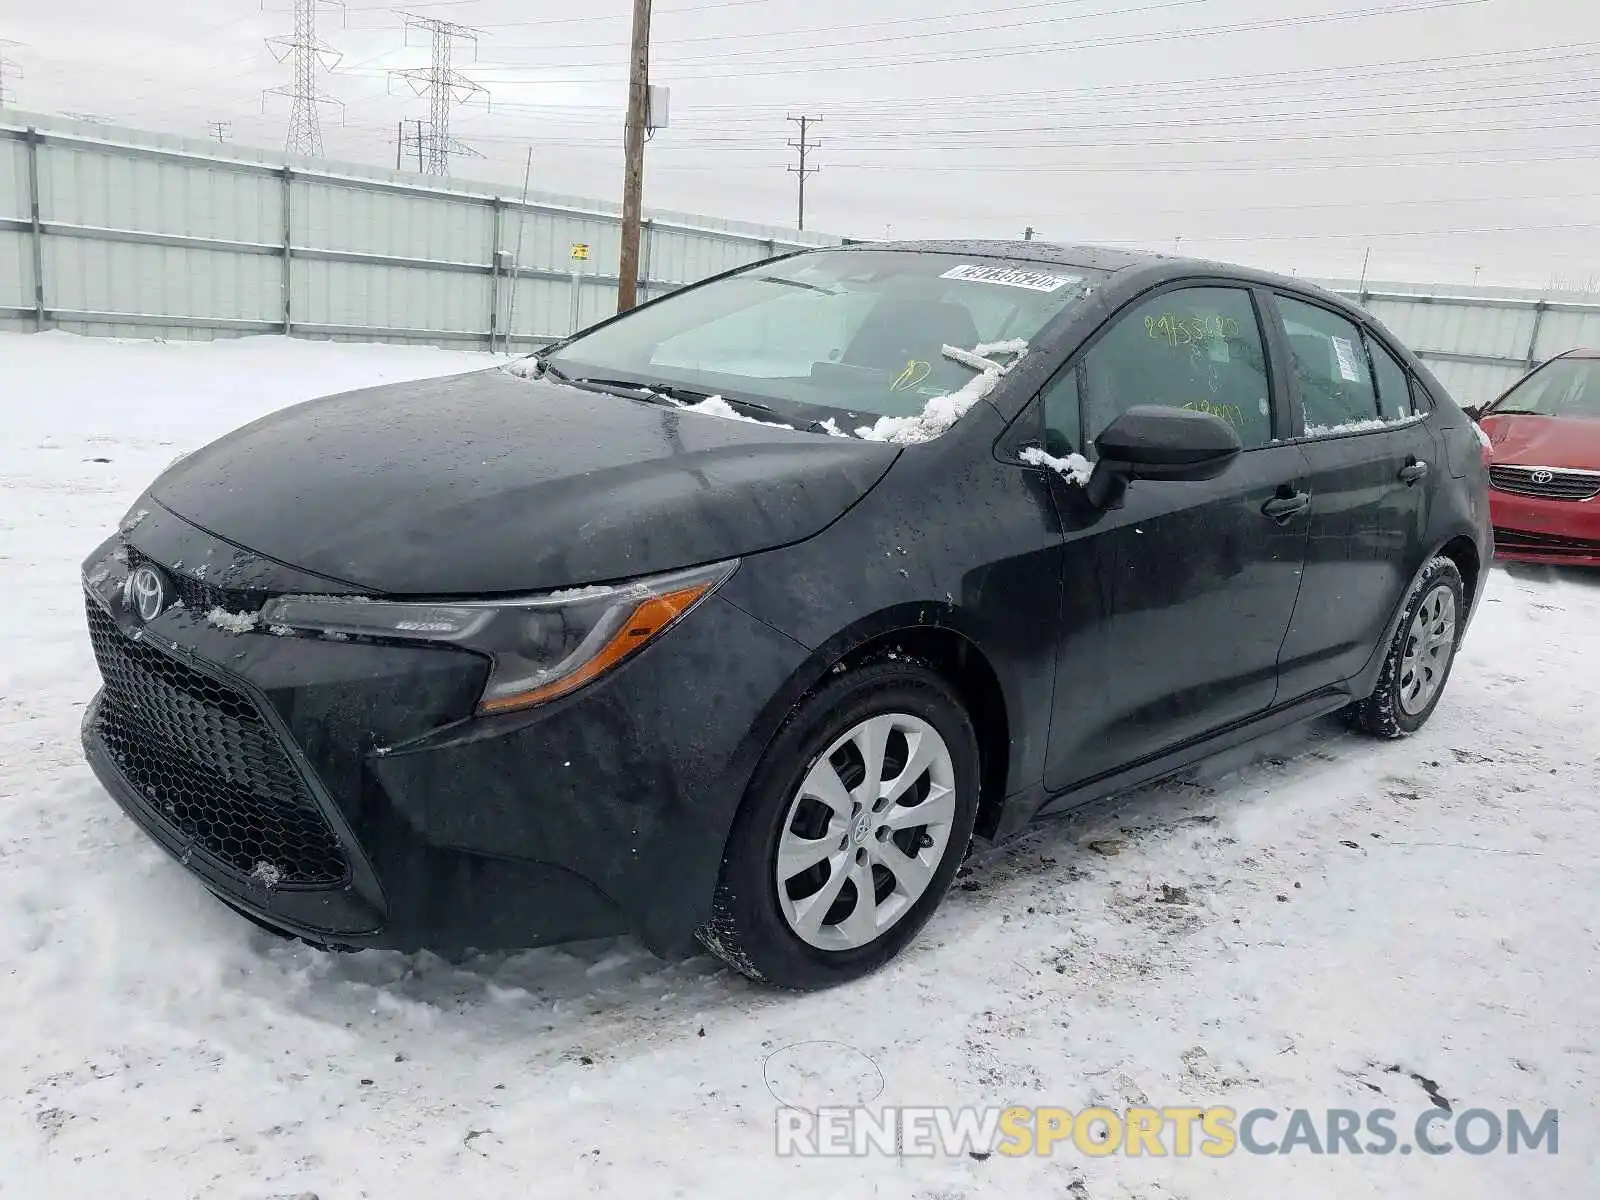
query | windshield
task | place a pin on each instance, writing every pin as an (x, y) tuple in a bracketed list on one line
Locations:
[(1568, 387), (860, 331)]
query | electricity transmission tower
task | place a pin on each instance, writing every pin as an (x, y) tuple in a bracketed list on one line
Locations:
[(9, 69), (805, 146), (308, 53), (444, 86)]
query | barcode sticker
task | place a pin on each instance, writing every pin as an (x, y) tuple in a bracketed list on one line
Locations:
[(1034, 281)]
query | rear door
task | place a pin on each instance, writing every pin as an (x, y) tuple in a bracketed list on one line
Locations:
[(1197, 580), (1371, 455)]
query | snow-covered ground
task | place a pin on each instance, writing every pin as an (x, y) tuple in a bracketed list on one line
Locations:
[(1278, 931)]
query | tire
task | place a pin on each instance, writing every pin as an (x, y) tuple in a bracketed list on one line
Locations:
[(1397, 707), (757, 919)]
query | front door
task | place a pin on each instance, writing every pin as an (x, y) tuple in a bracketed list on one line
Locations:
[(1372, 458), (1197, 580)]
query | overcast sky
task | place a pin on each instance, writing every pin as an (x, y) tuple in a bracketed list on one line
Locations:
[(1449, 136)]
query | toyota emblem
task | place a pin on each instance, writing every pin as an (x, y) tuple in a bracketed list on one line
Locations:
[(1542, 476), (145, 593)]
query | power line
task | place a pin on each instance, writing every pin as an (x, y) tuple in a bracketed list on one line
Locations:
[(922, 22), (443, 85), (796, 66), (1205, 85), (308, 53), (804, 146)]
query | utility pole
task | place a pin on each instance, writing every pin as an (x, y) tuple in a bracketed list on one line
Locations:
[(220, 130), (633, 156), (1027, 234), (805, 146), (308, 53), (443, 85), (9, 69), (1365, 259)]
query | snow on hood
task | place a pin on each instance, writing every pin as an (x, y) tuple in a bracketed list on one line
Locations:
[(942, 412)]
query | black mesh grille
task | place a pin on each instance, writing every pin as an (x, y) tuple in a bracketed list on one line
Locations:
[(202, 757), (198, 596), (1545, 483)]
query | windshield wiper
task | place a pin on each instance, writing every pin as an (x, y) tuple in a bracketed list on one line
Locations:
[(1515, 412), (795, 283), (611, 387), (679, 396)]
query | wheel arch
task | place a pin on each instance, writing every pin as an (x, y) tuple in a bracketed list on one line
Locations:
[(932, 635), (960, 662), (1463, 551)]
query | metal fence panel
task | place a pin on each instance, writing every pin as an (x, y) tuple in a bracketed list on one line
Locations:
[(1497, 332), (156, 235), (1561, 331), (82, 275)]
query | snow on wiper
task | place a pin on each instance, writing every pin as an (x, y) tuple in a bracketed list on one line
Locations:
[(941, 412), (742, 410)]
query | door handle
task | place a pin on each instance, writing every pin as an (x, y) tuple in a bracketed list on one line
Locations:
[(1283, 508), (1413, 471)]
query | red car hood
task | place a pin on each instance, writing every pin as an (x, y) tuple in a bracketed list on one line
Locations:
[(1545, 441)]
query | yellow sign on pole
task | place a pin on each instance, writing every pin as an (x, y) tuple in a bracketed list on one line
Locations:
[(580, 252)]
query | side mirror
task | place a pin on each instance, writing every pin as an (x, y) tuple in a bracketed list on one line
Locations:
[(1153, 442)]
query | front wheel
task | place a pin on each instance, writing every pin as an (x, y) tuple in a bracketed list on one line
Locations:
[(851, 830), (1420, 656)]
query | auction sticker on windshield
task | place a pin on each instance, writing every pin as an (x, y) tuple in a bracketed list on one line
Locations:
[(1034, 281)]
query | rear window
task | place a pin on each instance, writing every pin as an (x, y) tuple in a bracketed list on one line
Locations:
[(1394, 386), (1330, 368)]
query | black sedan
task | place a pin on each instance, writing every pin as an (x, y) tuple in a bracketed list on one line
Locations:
[(737, 617)]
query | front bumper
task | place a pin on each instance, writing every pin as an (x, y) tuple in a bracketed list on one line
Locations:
[(1534, 529), (599, 813)]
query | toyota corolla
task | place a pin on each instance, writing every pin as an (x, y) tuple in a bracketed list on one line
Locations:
[(738, 617), (1545, 480)]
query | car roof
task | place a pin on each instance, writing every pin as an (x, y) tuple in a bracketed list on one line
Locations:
[(1104, 258)]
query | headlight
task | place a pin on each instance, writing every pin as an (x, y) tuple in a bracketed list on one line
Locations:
[(541, 646)]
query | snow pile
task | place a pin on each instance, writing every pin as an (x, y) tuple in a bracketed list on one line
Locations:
[(942, 412), (1074, 468), (716, 406), (523, 368), (231, 622)]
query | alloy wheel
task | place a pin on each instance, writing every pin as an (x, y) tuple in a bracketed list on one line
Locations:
[(1429, 644), (865, 832)]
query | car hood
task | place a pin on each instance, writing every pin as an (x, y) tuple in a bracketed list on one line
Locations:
[(1571, 442), (488, 483)]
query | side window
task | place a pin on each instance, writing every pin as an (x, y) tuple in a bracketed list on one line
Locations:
[(1421, 398), (1330, 371), (1394, 386), (1197, 348), (1061, 414)]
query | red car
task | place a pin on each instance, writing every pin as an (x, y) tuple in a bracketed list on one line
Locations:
[(1544, 482)]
